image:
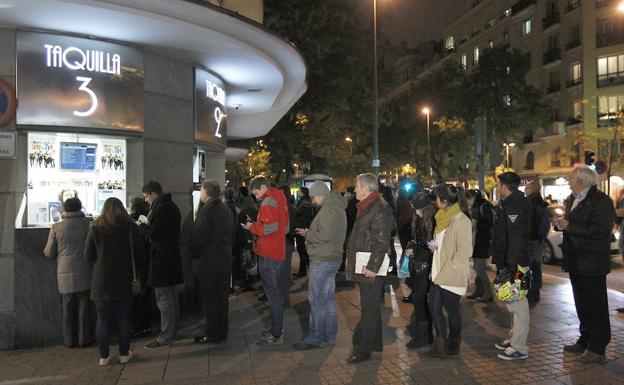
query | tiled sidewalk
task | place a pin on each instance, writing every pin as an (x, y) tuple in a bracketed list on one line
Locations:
[(240, 361)]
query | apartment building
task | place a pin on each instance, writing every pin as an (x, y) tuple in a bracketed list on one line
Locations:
[(576, 54)]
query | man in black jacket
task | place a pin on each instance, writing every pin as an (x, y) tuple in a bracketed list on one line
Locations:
[(537, 234), (509, 247), (211, 244), (162, 229), (587, 227)]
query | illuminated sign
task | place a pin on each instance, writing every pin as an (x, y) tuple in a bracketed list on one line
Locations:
[(210, 109), (68, 81)]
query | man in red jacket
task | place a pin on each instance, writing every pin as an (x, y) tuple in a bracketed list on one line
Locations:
[(270, 231)]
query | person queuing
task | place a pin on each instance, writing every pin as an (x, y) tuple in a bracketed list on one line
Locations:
[(510, 251), (304, 213), (370, 234), (423, 224), (270, 246), (141, 313), (452, 248), (324, 241), (587, 226), (112, 243), (482, 215), (162, 228), (66, 242), (211, 244), (540, 225)]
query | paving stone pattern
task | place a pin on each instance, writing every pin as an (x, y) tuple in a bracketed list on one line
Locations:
[(241, 362)]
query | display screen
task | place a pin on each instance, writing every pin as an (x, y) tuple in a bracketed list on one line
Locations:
[(210, 109), (78, 156), (73, 82)]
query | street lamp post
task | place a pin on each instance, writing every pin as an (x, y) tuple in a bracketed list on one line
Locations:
[(427, 111), (507, 145), (375, 163)]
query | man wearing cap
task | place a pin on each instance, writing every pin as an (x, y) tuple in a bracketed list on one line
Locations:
[(324, 241)]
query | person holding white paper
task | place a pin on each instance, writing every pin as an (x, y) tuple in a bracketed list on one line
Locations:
[(452, 249), (370, 234)]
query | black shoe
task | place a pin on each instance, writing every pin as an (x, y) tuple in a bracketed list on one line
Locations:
[(154, 344), (620, 309), (305, 346), (574, 348), (357, 357), (407, 299)]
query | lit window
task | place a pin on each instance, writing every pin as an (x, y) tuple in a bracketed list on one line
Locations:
[(526, 27), (577, 110), (610, 106), (464, 61), (575, 72), (475, 59), (507, 100), (610, 66), (449, 44), (508, 12), (491, 44)]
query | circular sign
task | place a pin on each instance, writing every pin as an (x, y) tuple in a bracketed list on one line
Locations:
[(7, 103)]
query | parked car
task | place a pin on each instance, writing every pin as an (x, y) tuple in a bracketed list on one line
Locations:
[(552, 247)]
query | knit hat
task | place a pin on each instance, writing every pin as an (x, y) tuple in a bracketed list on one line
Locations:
[(319, 189), (421, 200)]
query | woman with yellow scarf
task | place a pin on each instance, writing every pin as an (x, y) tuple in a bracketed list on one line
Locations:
[(452, 249)]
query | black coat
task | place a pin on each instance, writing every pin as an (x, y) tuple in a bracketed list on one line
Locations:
[(304, 214), (483, 237), (109, 249), (211, 240), (163, 232), (511, 232), (538, 205), (587, 240)]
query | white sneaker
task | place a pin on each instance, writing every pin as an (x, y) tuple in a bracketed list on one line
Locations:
[(105, 361), (271, 340), (504, 344), (126, 359)]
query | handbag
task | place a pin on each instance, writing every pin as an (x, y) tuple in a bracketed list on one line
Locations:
[(136, 282), (420, 263), (404, 267)]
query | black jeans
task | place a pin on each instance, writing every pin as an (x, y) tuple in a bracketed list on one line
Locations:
[(304, 258), (592, 308), (141, 311), (109, 315), (440, 299), (213, 290), (78, 325), (368, 332), (420, 326)]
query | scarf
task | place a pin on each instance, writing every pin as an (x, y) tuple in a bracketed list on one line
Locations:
[(444, 216), (363, 205)]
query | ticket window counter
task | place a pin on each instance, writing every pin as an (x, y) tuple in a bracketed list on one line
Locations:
[(64, 165)]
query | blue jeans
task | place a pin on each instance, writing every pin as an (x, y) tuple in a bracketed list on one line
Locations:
[(272, 274), (111, 314), (322, 296)]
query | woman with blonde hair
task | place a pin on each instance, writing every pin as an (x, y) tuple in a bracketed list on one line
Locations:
[(112, 244)]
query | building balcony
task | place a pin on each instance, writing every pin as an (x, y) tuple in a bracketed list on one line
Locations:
[(573, 82), (607, 39), (551, 20), (573, 44), (551, 56), (610, 79), (553, 88), (521, 6), (572, 6)]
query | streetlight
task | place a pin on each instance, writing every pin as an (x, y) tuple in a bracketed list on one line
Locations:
[(350, 141), (507, 145), (375, 163), (427, 111), (620, 7)]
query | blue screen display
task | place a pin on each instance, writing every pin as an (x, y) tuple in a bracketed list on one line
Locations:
[(78, 156)]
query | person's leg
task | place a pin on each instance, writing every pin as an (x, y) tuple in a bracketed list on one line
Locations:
[(272, 272), (330, 324), (450, 302), (315, 290), (105, 321), (484, 279), (437, 313), (578, 290), (418, 326), (285, 278), (520, 325), (124, 328), (70, 321), (207, 293), (599, 328), (304, 259), (223, 307), (85, 323), (371, 315), (536, 251), (393, 257), (166, 300)]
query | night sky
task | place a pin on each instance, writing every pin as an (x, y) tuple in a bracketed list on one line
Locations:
[(418, 20)]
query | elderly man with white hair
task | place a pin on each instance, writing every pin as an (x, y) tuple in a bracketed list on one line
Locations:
[(587, 227)]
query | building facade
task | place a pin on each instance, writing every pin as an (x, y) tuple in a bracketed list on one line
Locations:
[(113, 94)]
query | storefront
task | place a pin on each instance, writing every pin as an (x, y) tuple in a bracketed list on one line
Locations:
[(105, 107)]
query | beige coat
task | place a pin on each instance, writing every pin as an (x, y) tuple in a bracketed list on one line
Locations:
[(455, 253)]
